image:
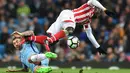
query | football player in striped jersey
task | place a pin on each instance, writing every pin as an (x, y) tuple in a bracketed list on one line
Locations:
[(66, 22)]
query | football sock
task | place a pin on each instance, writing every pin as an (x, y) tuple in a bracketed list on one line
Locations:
[(57, 36), (38, 39)]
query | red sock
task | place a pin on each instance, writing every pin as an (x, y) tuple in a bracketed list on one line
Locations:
[(38, 39), (57, 36)]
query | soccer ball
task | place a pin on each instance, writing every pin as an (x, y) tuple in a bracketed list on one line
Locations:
[(73, 42)]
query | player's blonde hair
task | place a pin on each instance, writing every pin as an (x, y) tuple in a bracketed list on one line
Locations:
[(16, 33)]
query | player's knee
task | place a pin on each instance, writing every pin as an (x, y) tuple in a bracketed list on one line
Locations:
[(69, 30), (30, 61)]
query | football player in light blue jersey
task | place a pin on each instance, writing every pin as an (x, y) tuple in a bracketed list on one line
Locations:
[(30, 56)]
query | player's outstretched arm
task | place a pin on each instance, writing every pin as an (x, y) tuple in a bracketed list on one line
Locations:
[(29, 36), (24, 34), (27, 33), (99, 5), (90, 36), (93, 40)]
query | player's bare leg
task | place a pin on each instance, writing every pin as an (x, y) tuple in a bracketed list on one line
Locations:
[(39, 57)]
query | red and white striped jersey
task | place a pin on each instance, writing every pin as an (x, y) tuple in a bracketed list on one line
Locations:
[(84, 13)]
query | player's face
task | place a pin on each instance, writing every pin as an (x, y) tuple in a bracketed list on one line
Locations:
[(97, 11), (17, 42)]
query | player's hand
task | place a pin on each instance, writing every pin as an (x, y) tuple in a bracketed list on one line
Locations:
[(27, 34), (110, 13), (101, 50)]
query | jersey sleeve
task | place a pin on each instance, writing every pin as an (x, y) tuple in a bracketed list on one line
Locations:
[(90, 36), (87, 26)]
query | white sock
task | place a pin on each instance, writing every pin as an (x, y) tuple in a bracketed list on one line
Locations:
[(38, 57), (97, 4)]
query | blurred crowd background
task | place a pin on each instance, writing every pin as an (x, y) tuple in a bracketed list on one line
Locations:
[(113, 34)]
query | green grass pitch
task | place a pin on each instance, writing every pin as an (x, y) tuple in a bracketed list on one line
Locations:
[(68, 70)]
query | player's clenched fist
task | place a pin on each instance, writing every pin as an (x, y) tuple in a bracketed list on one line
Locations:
[(101, 50)]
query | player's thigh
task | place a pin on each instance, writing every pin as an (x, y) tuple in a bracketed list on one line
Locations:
[(68, 24), (67, 19), (54, 28)]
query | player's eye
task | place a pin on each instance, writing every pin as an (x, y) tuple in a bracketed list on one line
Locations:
[(17, 41)]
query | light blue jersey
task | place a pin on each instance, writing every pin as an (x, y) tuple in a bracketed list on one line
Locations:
[(29, 49)]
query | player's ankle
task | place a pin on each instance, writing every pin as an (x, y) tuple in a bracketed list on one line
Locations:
[(50, 40)]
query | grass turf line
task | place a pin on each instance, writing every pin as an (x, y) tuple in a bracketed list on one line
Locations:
[(68, 70)]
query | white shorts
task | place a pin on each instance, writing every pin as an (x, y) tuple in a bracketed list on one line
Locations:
[(64, 20)]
